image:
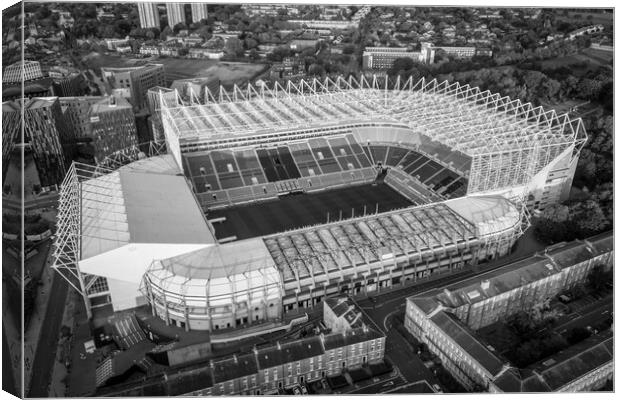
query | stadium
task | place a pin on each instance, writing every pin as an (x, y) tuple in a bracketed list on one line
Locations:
[(264, 201)]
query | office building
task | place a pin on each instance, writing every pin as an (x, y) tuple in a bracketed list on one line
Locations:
[(45, 132), (108, 121), (133, 82)]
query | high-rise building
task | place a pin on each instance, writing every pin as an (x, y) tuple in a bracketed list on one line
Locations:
[(176, 14), (45, 132), (149, 16), (108, 121), (132, 83), (199, 12)]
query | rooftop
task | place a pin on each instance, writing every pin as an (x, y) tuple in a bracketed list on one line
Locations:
[(516, 274)]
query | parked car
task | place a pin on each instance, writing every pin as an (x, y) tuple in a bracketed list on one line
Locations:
[(297, 391), (437, 388)]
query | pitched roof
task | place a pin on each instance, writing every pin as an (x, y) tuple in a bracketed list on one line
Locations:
[(234, 367), (289, 352), (353, 336), (467, 341)]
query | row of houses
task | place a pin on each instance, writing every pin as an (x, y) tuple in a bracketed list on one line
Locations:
[(351, 344), (446, 320)]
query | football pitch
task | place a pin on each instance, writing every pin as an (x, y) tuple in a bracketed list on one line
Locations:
[(296, 211)]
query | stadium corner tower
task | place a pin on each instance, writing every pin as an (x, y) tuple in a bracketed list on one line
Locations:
[(136, 230)]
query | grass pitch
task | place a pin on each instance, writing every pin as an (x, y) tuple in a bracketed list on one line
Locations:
[(296, 211)]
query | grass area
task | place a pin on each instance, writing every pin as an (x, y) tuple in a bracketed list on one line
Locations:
[(601, 56), (181, 68), (227, 73), (96, 60), (301, 210), (580, 63)]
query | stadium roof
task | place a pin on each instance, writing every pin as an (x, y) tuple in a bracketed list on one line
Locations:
[(308, 252), (462, 117), (113, 222), (220, 261), (126, 206)]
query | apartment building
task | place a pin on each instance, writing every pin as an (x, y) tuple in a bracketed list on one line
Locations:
[(176, 14), (199, 12), (149, 15)]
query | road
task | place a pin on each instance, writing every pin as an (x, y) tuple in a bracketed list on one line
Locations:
[(589, 315), (50, 200), (380, 387), (43, 362)]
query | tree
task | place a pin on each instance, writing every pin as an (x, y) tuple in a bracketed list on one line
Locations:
[(577, 335), (234, 47), (165, 33), (588, 218), (316, 69), (556, 213), (598, 278)]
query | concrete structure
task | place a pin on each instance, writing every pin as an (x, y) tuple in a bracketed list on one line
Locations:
[(176, 14), (199, 12), (22, 71), (108, 121), (445, 319), (149, 15), (136, 80)]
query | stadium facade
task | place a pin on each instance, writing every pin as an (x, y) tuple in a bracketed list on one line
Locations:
[(469, 161)]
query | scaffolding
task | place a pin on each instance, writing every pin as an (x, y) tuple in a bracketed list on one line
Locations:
[(508, 141)]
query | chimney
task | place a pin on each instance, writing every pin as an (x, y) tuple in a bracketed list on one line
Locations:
[(485, 284), (235, 358), (278, 345)]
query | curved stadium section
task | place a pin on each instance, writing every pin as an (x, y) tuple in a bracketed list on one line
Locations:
[(431, 177)]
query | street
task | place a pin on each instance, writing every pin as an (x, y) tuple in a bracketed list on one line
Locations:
[(43, 362)]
